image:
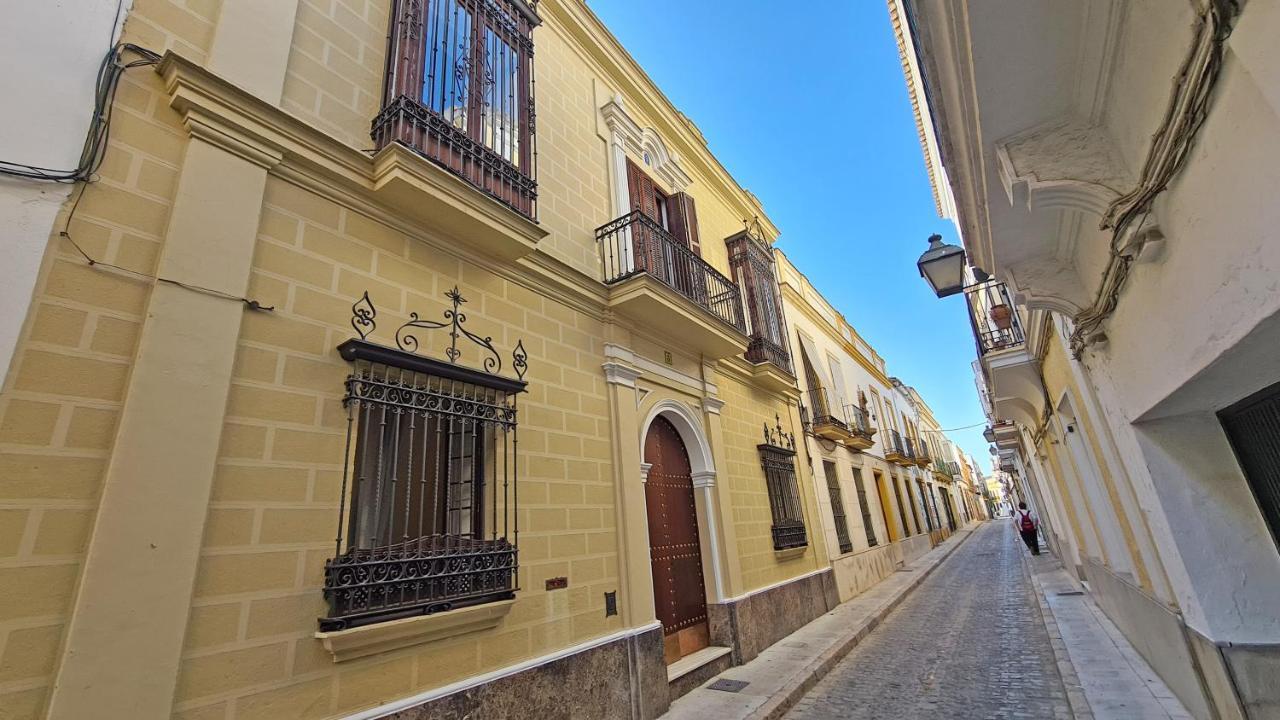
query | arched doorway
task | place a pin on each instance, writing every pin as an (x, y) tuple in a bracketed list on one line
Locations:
[(679, 594)]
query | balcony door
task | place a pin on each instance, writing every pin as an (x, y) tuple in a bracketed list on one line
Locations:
[(666, 247), (679, 594)]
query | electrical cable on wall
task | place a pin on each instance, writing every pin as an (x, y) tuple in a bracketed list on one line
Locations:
[(113, 65), (1170, 148)]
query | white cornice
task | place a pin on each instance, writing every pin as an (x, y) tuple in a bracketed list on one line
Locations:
[(618, 374)]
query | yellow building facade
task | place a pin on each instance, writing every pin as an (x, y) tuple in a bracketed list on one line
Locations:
[(306, 425), (880, 491)]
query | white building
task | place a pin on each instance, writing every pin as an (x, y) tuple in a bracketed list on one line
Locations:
[(57, 50), (1113, 166)]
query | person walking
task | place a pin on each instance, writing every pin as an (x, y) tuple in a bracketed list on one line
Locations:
[(1028, 528)]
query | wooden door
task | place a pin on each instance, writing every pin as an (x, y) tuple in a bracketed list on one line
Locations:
[(678, 591)]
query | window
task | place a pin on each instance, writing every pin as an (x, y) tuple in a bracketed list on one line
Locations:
[(866, 507), (915, 509), (427, 516), (777, 457), (924, 505), (837, 507), (1253, 428), (902, 509), (751, 261), (459, 90)]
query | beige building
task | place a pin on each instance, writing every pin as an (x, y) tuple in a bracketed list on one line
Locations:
[(304, 422), (1110, 166), (883, 498)]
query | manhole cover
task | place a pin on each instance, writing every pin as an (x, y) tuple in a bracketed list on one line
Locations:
[(732, 686), (1070, 592)]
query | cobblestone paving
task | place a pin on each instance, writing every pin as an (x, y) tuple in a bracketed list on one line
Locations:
[(968, 643)]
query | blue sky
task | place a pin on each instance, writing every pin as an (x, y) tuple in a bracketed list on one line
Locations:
[(806, 105)]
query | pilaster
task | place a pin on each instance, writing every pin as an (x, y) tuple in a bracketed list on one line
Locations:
[(124, 644), (629, 473)]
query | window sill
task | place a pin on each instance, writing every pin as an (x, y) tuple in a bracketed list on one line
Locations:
[(790, 553), (382, 637)]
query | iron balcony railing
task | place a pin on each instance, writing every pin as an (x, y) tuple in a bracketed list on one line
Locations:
[(761, 350), (994, 319), (922, 452), (895, 446), (817, 411), (858, 421), (635, 244), (909, 448)]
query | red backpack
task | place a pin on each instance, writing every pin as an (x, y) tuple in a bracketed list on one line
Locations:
[(1026, 524)]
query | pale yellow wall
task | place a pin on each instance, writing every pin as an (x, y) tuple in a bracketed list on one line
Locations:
[(60, 404), (275, 497), (745, 413), (273, 512)]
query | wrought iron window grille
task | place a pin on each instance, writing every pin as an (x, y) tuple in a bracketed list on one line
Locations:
[(459, 90), (778, 458), (428, 511), (751, 264)]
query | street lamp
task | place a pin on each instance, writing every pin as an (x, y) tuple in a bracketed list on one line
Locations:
[(942, 266), (989, 434)]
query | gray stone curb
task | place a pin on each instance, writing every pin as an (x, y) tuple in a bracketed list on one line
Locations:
[(783, 700)]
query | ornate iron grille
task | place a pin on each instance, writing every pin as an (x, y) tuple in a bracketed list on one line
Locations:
[(751, 264), (994, 320), (837, 507), (635, 244), (459, 90), (427, 518), (902, 508), (778, 458), (895, 446), (866, 508)]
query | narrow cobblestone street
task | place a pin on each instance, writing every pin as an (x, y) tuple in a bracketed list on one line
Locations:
[(968, 643)]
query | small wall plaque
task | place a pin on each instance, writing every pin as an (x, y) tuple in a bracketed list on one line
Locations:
[(666, 356), (610, 603), (557, 583)]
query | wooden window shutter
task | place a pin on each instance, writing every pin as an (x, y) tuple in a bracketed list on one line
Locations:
[(684, 221), (640, 187)]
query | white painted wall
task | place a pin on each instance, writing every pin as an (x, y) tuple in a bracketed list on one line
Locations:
[(52, 49)]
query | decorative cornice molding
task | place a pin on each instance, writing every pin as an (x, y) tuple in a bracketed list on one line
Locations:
[(618, 374), (219, 112), (704, 478), (712, 405), (647, 144), (644, 471)]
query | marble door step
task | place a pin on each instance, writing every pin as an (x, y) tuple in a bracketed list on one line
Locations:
[(689, 663)]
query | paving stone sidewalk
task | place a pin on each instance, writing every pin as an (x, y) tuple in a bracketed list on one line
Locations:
[(970, 642), (782, 673), (1103, 667)]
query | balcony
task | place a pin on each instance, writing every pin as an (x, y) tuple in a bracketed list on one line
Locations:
[(861, 432), (822, 419), (1009, 368), (662, 286), (895, 450), (923, 457)]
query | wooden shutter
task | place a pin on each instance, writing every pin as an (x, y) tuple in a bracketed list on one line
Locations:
[(641, 189), (684, 221)]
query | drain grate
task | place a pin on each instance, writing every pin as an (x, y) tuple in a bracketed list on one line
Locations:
[(1069, 593), (725, 685)]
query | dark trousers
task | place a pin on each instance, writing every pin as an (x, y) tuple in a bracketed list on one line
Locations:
[(1032, 539)]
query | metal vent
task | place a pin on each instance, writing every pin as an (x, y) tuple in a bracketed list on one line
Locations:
[(725, 685)]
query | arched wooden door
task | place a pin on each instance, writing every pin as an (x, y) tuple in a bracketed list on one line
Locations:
[(676, 558)]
